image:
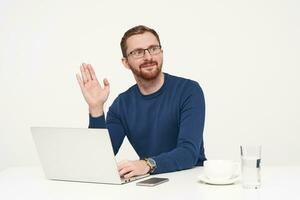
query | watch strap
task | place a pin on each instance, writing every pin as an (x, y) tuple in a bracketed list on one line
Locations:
[(151, 163)]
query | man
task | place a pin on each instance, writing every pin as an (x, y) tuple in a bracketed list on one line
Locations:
[(161, 115)]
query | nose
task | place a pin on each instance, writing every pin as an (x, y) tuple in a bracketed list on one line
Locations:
[(147, 54)]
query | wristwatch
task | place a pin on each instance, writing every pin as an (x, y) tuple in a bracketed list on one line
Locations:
[(151, 163)]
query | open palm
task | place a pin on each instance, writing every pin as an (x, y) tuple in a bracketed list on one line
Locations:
[(94, 94)]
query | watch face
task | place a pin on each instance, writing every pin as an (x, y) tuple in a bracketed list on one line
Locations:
[(152, 162)]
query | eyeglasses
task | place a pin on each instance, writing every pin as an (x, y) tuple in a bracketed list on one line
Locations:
[(139, 53)]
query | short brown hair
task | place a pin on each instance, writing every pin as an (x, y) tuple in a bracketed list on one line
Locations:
[(140, 29)]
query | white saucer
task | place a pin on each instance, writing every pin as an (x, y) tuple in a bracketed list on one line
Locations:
[(206, 180)]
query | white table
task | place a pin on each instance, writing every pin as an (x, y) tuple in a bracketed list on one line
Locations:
[(24, 183)]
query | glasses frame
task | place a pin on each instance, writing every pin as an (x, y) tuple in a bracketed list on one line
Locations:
[(144, 50)]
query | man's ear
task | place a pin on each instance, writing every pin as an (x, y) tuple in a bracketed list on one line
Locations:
[(125, 63)]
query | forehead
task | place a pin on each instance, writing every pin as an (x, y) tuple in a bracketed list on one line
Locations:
[(141, 41)]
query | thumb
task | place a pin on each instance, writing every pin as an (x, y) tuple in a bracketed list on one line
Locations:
[(106, 83)]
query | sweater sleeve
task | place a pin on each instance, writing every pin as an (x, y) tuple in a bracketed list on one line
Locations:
[(97, 122), (189, 150), (113, 124)]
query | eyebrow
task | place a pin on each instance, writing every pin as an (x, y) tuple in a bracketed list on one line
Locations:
[(153, 45)]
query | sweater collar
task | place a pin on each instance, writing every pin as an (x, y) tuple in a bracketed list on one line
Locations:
[(158, 92)]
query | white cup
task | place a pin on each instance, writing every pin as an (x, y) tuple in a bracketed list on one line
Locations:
[(220, 170)]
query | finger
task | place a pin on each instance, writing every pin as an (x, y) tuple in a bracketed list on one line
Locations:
[(130, 174), (123, 167), (93, 74), (122, 164), (106, 84), (79, 81), (83, 74), (125, 170), (88, 73)]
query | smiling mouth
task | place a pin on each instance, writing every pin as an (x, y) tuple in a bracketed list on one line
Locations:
[(148, 65)]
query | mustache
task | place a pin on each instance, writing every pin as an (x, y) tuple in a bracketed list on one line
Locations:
[(148, 63)]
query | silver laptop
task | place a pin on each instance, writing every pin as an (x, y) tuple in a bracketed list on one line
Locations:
[(77, 154)]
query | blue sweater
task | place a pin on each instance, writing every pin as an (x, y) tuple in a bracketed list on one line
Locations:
[(166, 125)]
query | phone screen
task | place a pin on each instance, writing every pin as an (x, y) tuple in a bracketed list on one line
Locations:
[(152, 181)]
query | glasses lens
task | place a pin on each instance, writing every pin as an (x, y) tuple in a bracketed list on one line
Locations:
[(139, 53), (154, 50)]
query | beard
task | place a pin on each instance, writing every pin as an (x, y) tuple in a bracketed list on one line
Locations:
[(148, 70)]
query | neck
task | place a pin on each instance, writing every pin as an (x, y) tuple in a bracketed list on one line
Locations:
[(150, 86)]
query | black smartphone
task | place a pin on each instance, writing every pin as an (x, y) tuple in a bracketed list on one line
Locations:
[(152, 181)]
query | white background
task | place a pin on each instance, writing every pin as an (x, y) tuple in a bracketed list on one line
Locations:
[(244, 54)]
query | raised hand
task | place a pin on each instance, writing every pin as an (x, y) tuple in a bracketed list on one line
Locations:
[(95, 95)]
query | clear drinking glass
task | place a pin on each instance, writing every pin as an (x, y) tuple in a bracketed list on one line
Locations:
[(251, 166)]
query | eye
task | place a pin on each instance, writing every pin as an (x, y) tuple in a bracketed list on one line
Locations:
[(154, 49), (138, 52)]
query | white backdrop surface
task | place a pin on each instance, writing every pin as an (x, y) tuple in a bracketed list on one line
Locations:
[(244, 54)]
